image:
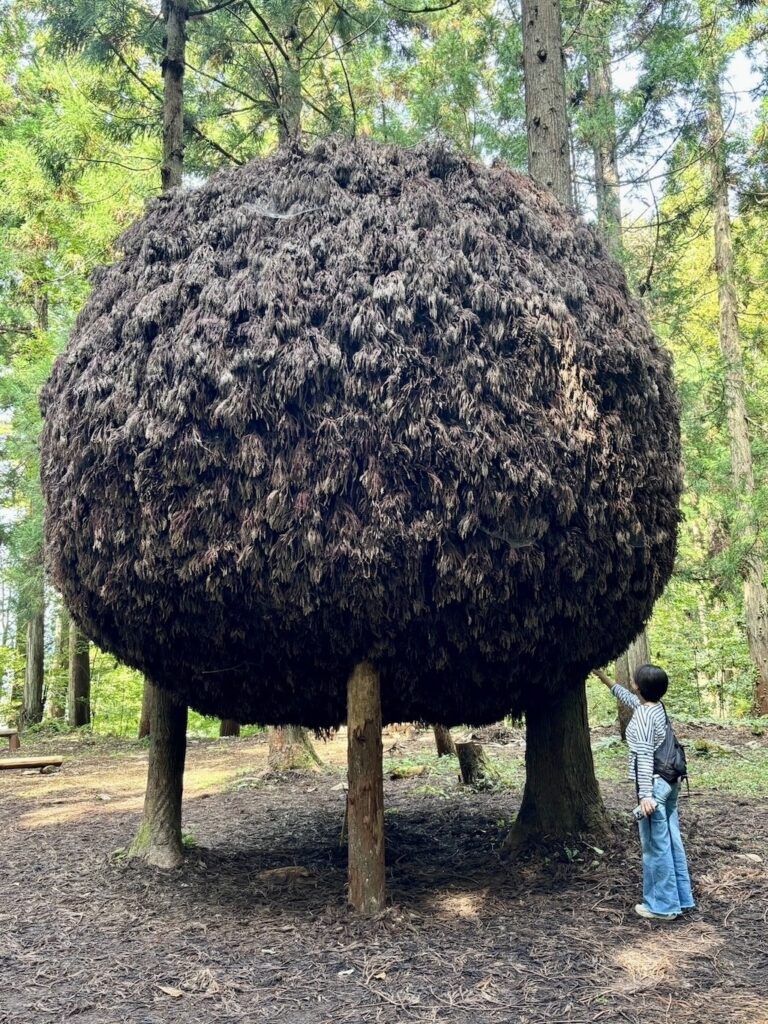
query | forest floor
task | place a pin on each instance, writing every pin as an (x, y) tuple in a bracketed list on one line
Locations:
[(255, 927)]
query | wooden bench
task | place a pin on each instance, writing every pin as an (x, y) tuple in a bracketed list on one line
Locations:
[(30, 762), (13, 738)]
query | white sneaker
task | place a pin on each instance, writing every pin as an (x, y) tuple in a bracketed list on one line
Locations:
[(642, 911)]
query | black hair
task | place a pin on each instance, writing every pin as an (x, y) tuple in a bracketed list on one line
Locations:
[(651, 681)]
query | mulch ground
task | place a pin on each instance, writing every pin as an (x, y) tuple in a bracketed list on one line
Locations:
[(467, 938)]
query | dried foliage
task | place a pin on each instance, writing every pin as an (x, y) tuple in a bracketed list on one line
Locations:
[(362, 402)]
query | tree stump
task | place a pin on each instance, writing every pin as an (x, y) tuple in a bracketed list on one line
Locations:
[(365, 799), (290, 749), (476, 770), (444, 741)]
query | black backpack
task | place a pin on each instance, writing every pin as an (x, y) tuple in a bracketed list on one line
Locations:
[(669, 761)]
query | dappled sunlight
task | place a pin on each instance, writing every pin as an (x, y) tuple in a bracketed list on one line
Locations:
[(467, 905), (661, 955)]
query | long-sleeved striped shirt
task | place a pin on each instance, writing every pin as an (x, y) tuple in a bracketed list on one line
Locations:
[(645, 732)]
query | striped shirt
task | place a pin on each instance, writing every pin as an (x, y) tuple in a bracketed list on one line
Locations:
[(645, 733)]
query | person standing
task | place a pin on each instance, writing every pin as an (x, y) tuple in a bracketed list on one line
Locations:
[(666, 881)]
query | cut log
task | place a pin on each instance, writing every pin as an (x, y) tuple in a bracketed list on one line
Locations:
[(30, 762), (476, 770), (444, 741), (365, 800), (13, 739)]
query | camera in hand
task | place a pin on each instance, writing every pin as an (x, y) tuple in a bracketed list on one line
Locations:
[(638, 813)]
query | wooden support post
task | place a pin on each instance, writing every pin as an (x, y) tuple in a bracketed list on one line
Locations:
[(365, 800), (159, 840)]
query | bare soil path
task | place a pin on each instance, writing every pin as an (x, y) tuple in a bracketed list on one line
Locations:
[(467, 938)]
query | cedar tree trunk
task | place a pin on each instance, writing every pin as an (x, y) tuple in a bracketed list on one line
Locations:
[(175, 14), (365, 799), (444, 741), (158, 841), (58, 689), (159, 838), (604, 150), (145, 718), (561, 796), (545, 108), (79, 692), (636, 654), (753, 565), (32, 701)]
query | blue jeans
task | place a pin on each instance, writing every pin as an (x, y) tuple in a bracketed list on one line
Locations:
[(666, 882)]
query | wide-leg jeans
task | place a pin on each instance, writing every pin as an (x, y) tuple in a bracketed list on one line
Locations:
[(666, 881)]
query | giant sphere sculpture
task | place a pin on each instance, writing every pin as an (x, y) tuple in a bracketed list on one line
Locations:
[(362, 402)]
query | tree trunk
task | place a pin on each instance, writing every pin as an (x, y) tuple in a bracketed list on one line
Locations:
[(636, 654), (604, 151), (561, 796), (545, 108), (444, 741), (175, 13), (558, 756), (476, 769), (145, 718), (229, 727), (159, 841), (34, 676), (604, 145), (58, 690), (365, 799), (79, 692), (20, 669), (753, 568), (290, 749)]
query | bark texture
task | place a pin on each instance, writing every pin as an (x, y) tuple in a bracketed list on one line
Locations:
[(604, 146), (444, 741), (365, 799), (561, 795), (159, 841), (79, 691), (175, 13), (545, 108), (229, 727), (290, 749), (753, 567)]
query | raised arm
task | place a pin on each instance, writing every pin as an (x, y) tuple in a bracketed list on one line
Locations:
[(622, 695)]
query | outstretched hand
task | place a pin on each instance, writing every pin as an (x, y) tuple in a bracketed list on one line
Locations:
[(606, 680)]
